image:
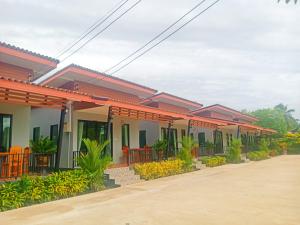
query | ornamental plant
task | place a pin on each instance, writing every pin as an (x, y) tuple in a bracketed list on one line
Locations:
[(35, 189), (213, 161), (153, 170), (234, 151), (43, 145), (257, 155), (185, 154), (94, 162)]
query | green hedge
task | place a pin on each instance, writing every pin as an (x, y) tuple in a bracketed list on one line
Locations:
[(212, 161), (257, 155), (33, 189)]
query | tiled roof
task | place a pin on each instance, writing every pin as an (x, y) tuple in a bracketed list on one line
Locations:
[(102, 74), (28, 52)]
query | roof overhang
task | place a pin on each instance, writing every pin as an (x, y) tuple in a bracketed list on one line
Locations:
[(23, 58), (174, 100), (24, 93), (225, 110), (78, 73)]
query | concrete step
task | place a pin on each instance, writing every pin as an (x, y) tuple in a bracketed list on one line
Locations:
[(123, 176)]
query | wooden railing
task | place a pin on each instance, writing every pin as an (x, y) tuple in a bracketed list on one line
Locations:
[(13, 165)]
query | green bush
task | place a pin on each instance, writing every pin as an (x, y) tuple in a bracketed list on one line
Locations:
[(234, 151), (33, 189), (263, 145), (294, 149), (94, 162), (185, 154), (213, 161), (153, 170), (257, 155)]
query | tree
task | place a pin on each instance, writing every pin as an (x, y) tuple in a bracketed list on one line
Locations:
[(291, 122), (287, 1)]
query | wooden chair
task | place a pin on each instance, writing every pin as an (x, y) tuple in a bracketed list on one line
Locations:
[(15, 162), (26, 159)]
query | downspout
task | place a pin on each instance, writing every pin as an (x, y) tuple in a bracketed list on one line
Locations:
[(60, 137)]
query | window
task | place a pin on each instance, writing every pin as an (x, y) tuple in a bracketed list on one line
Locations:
[(93, 130), (218, 141), (5, 132), (125, 135), (36, 133), (183, 134), (227, 140), (142, 138), (54, 132), (164, 133)]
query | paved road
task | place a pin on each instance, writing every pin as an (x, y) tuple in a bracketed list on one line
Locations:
[(265, 192)]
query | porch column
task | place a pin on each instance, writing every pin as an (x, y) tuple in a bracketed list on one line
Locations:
[(168, 139), (189, 128), (108, 131), (238, 132), (247, 142), (60, 137)]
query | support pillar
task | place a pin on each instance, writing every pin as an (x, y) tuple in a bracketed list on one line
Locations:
[(168, 139), (108, 133), (247, 142), (238, 132), (189, 128), (60, 137)]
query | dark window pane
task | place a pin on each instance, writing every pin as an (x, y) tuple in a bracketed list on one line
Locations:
[(5, 132), (36, 133), (125, 135), (54, 132)]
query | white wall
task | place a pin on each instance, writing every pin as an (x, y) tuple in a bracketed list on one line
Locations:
[(20, 123), (152, 131), (44, 118)]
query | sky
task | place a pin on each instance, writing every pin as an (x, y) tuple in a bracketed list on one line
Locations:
[(244, 54)]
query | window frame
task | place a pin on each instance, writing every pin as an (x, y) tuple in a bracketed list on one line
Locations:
[(2, 115)]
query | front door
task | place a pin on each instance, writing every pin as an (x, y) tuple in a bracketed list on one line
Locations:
[(201, 142), (218, 141)]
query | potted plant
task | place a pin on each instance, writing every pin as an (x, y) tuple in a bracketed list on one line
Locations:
[(160, 146), (43, 149)]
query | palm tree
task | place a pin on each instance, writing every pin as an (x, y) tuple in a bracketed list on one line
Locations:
[(287, 1), (289, 119)]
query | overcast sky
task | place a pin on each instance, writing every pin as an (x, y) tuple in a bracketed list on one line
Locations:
[(244, 54)]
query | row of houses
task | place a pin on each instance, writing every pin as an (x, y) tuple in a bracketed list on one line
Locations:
[(77, 103)]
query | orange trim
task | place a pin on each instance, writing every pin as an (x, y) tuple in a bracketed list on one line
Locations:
[(26, 56), (94, 75)]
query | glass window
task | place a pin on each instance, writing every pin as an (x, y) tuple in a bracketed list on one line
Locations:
[(163, 133), (93, 130), (5, 132), (142, 137), (125, 135), (36, 133), (54, 132)]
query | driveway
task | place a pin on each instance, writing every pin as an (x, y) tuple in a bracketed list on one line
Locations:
[(265, 192)]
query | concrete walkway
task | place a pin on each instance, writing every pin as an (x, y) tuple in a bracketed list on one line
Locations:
[(265, 192)]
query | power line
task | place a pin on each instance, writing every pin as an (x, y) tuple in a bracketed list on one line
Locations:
[(157, 36), (98, 23), (140, 55), (101, 31)]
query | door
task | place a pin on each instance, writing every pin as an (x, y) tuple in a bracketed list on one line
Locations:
[(142, 138), (5, 132), (218, 140), (201, 142)]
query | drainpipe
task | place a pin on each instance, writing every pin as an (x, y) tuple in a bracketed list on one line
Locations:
[(108, 131), (168, 140), (60, 137)]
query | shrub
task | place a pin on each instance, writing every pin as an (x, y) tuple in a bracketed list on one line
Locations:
[(153, 170), (263, 145), (212, 161), (257, 155), (185, 154), (32, 189), (94, 162), (234, 151)]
